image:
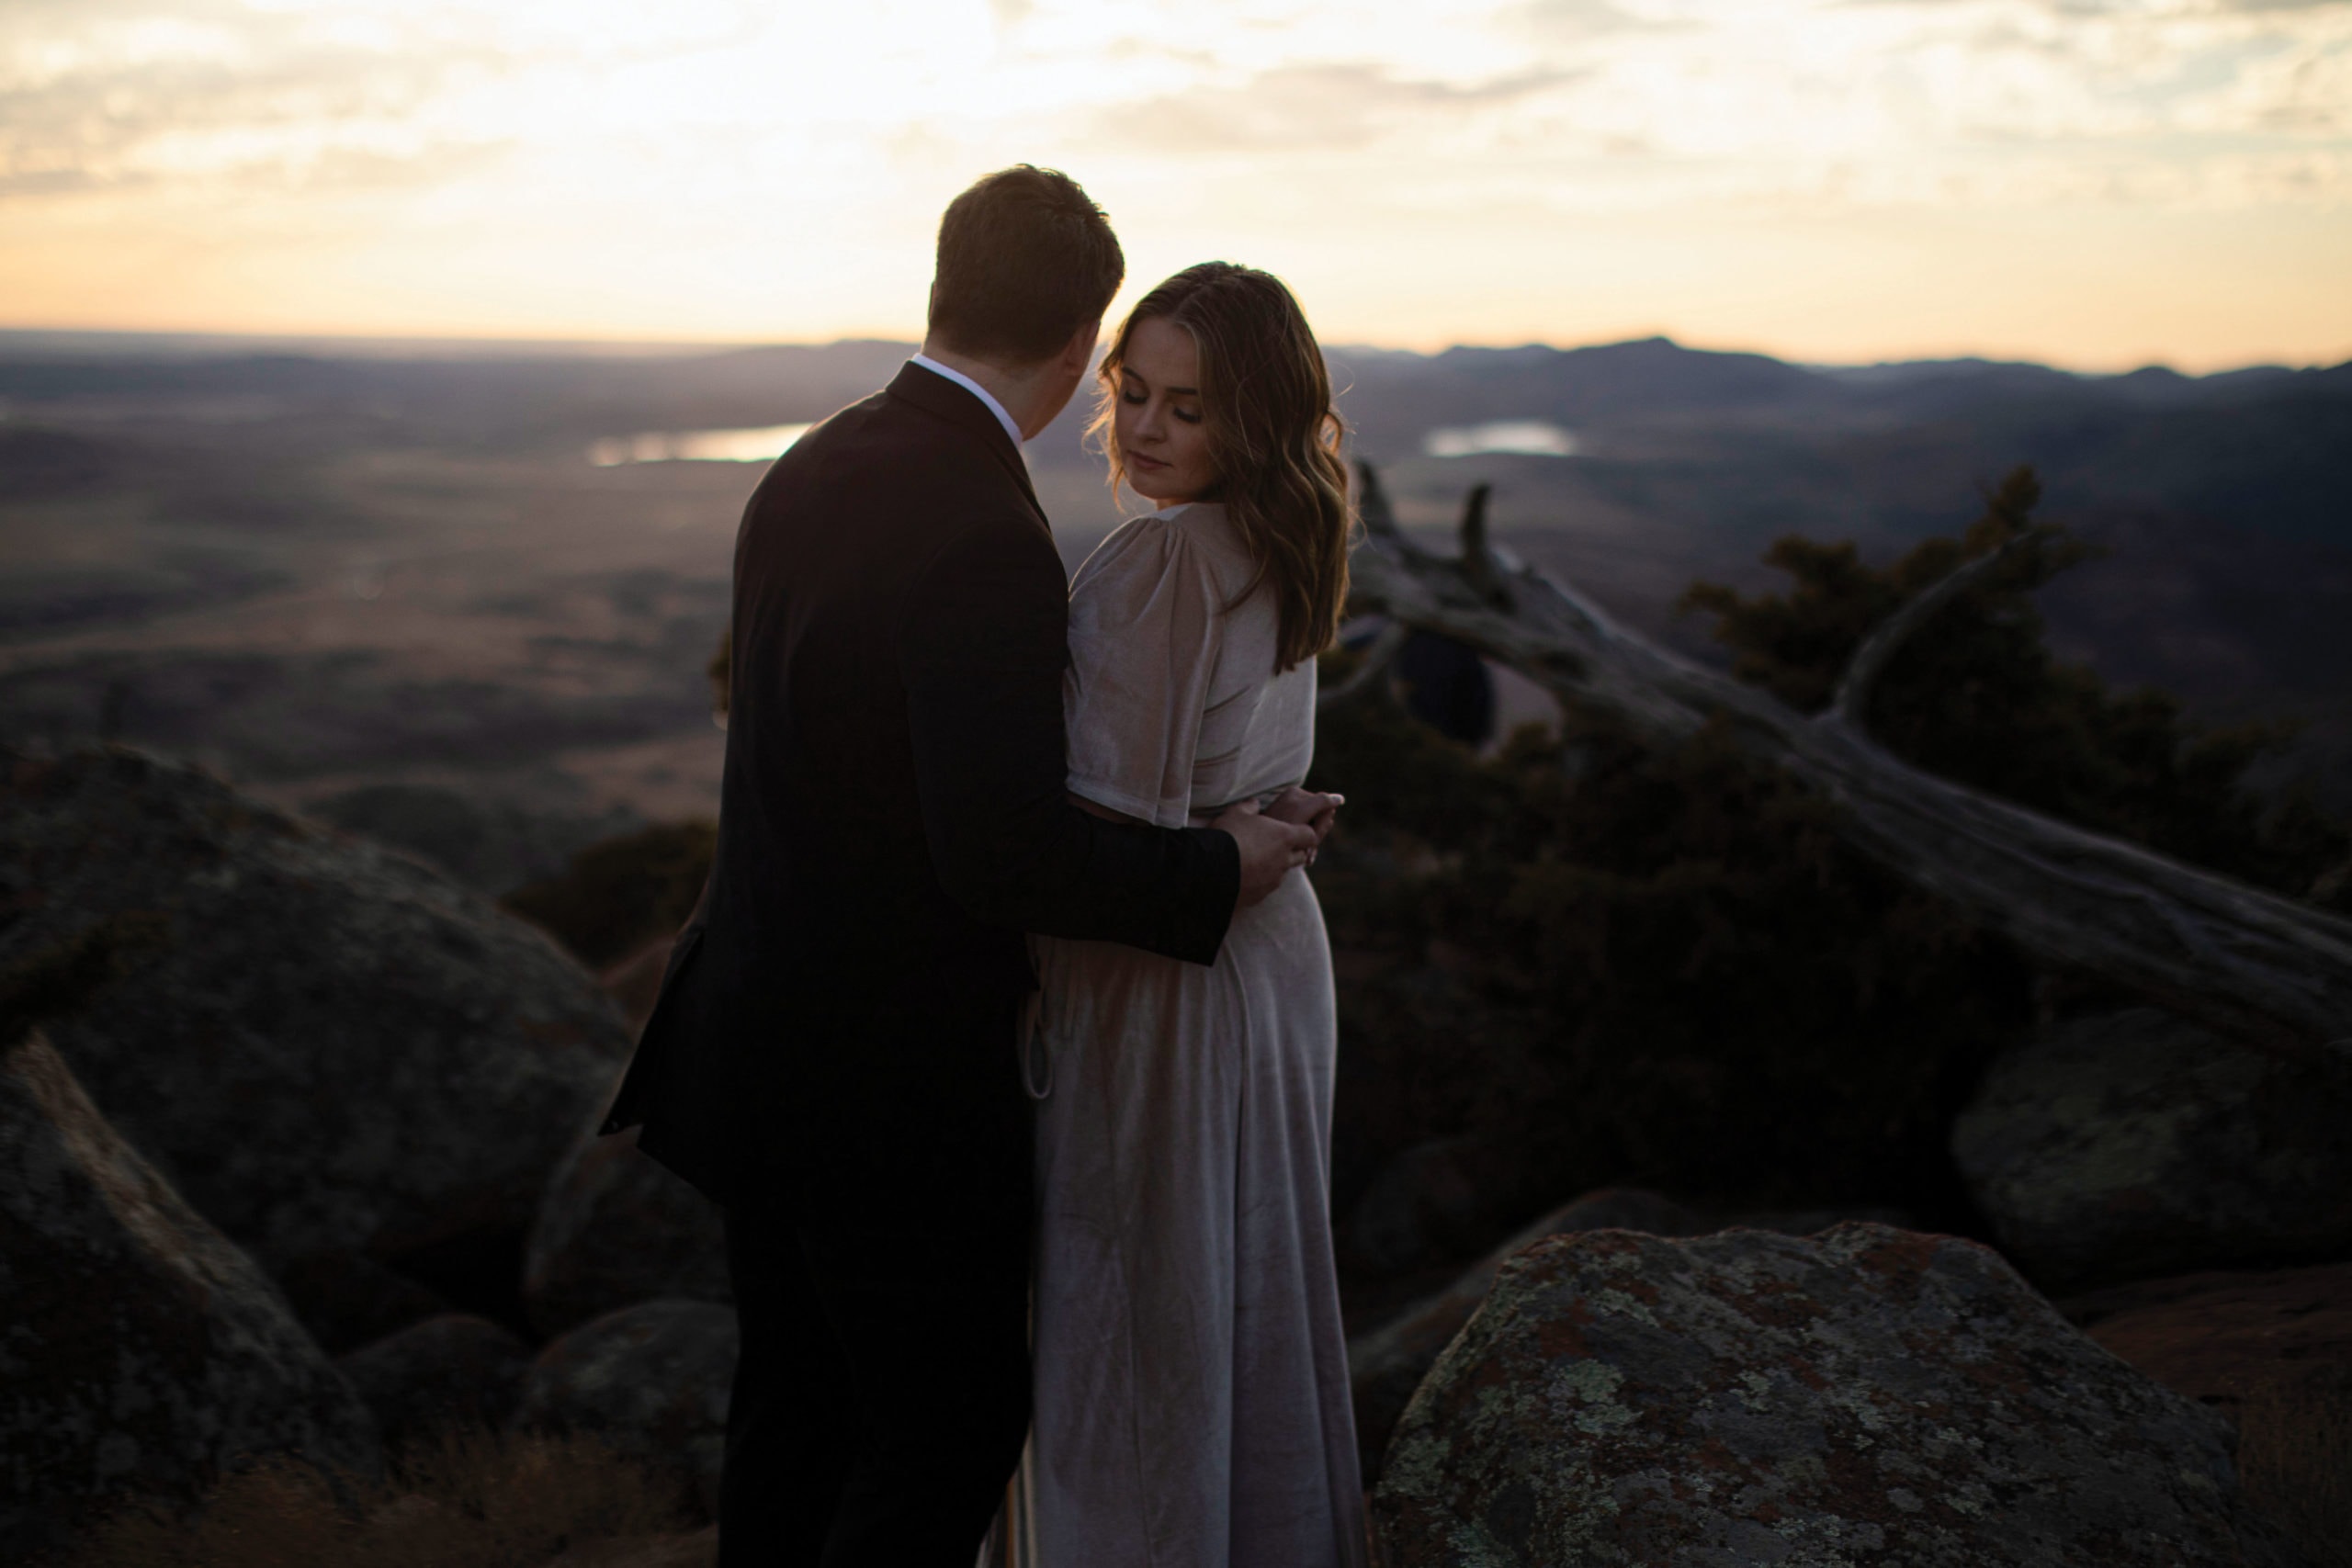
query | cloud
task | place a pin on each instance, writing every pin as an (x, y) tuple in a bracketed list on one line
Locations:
[(115, 95), (1584, 20), (1311, 107)]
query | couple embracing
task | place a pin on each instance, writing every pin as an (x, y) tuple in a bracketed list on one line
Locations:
[(1004, 1032)]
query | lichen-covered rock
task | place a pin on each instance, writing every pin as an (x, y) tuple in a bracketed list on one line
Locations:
[(333, 1049), (2126, 1146), (1386, 1364), (652, 1380), (1868, 1395), (616, 1229), (454, 1369), (141, 1353)]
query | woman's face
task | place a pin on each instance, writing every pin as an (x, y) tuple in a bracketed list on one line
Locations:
[(1161, 438)]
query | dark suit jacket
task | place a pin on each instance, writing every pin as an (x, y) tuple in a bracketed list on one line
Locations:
[(892, 816)]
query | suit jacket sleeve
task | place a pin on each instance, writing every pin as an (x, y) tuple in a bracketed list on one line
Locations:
[(981, 647)]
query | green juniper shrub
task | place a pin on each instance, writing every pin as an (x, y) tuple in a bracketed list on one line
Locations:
[(1660, 967), (1976, 696), (1626, 962)]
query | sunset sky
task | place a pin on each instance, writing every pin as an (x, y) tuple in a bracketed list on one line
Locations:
[(2096, 183)]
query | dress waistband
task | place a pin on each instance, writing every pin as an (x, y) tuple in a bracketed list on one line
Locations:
[(1202, 817)]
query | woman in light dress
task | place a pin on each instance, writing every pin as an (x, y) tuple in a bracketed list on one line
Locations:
[(1192, 1380)]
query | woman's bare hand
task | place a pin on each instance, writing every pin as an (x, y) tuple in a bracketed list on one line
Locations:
[(1307, 808), (1269, 850)]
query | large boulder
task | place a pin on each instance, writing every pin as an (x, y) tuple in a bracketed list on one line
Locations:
[(651, 1380), (1388, 1363), (142, 1352), (617, 1229), (2124, 1145), (334, 1052), (1866, 1395), (455, 1370), (488, 841), (348, 1298)]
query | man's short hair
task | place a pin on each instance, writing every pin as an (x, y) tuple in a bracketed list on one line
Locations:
[(1025, 260)]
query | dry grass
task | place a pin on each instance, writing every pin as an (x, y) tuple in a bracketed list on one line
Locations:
[(471, 1499), (2295, 1459)]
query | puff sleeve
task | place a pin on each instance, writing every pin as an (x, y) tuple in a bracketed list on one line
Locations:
[(1145, 622)]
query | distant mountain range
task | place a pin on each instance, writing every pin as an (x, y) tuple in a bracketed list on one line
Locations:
[(2226, 499)]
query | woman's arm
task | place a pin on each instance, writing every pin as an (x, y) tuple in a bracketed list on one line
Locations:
[(1095, 809), (1303, 808)]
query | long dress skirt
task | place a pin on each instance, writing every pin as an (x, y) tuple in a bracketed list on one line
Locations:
[(1191, 1380)]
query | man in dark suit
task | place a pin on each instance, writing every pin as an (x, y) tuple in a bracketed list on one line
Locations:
[(833, 1056)]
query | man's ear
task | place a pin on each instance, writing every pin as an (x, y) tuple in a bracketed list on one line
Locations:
[(1078, 353)]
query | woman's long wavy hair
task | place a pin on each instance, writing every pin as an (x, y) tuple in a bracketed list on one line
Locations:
[(1273, 437)]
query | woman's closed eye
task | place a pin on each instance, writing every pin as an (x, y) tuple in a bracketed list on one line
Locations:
[(1134, 398)]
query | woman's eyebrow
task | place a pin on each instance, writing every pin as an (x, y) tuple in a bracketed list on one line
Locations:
[(1171, 391)]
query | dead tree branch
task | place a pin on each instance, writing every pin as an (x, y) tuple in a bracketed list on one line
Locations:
[(2265, 969), (1878, 650), (1378, 657)]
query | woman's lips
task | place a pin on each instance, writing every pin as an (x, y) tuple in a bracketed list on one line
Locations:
[(1140, 461)]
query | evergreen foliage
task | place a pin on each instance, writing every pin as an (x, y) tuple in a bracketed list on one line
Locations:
[(1650, 966), (1614, 962), (1977, 697)]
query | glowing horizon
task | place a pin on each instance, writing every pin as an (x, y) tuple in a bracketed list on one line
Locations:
[(2097, 184)]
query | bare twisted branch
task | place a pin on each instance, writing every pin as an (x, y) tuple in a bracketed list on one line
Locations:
[(2267, 970), (1878, 650)]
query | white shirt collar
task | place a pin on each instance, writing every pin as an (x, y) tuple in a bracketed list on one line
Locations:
[(976, 390)]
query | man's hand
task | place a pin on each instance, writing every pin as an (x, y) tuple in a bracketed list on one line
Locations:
[(1310, 809), (1271, 850)]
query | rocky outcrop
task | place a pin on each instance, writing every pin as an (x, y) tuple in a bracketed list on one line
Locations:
[(332, 1051), (454, 1369), (348, 1298), (489, 841), (618, 1229), (140, 1351), (2219, 1337), (2125, 1145), (1386, 1364), (651, 1380), (1868, 1395)]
